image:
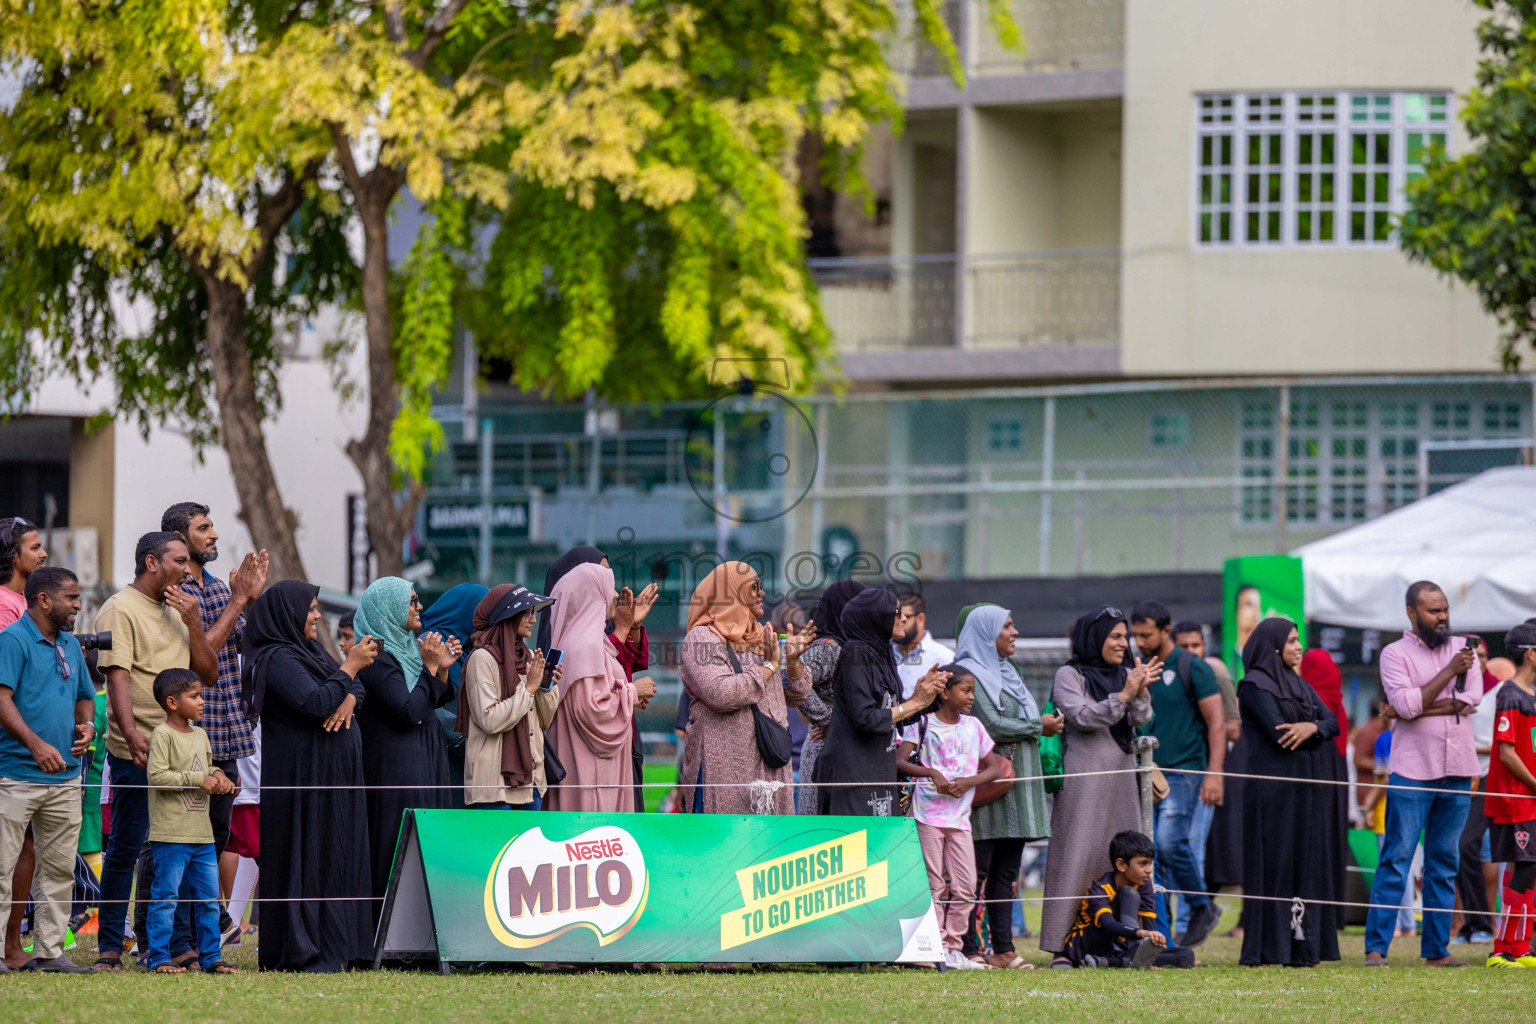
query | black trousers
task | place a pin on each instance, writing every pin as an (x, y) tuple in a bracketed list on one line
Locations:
[(997, 869), (1469, 877), (220, 809)]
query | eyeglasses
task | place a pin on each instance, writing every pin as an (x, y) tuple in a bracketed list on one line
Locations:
[(17, 523), (415, 601)]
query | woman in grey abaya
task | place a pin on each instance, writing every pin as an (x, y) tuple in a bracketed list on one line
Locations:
[(1103, 699)]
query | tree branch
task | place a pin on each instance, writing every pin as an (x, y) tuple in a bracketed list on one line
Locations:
[(437, 30), (394, 22), (274, 211), (344, 157)]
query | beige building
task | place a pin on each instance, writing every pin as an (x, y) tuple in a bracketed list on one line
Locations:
[(1165, 188)]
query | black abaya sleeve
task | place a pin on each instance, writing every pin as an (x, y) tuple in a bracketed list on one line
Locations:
[(1261, 710), (385, 684), (289, 681), (859, 692)]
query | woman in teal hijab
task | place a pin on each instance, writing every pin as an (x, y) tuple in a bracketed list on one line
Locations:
[(402, 742), (452, 615)]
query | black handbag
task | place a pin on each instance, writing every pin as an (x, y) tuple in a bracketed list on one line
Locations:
[(554, 771), (774, 743)]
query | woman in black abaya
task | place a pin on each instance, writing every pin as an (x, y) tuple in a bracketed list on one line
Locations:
[(1291, 837), (314, 842), (867, 711)]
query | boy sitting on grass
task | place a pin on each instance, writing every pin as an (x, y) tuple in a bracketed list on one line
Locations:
[(182, 776), (1109, 929)]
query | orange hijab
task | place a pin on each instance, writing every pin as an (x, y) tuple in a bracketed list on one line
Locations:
[(723, 602)]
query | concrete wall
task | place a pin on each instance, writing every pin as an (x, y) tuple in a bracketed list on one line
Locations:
[(1043, 178), (121, 481), (1215, 311)]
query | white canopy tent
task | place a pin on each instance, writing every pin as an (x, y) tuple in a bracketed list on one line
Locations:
[(1477, 540)]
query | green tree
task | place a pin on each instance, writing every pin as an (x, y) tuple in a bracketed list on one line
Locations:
[(1474, 217), (634, 160)]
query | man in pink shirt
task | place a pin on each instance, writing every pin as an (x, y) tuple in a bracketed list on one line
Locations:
[(1433, 682), (21, 553)]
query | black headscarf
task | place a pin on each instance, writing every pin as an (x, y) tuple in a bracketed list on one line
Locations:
[(867, 622), (581, 554), (829, 610), (1102, 678), (275, 622), (1264, 666)]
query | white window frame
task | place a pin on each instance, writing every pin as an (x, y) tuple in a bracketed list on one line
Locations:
[(1244, 106)]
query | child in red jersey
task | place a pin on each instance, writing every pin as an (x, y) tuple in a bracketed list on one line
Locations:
[(1511, 801)]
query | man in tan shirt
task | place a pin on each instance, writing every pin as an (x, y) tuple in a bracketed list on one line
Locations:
[(155, 626)]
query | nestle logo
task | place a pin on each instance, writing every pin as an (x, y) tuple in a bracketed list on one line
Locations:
[(594, 850)]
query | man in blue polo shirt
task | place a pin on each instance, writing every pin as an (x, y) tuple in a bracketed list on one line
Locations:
[(47, 712)]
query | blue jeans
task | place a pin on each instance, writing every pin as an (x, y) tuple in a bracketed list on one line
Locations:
[(130, 828), (1199, 835), (1440, 817), (198, 865), (1176, 864)]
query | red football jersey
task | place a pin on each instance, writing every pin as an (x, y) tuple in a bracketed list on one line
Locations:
[(1515, 724)]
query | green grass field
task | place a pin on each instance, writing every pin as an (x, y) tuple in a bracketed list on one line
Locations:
[(1222, 991)]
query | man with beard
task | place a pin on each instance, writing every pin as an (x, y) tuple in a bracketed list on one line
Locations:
[(221, 606), (1433, 682), (47, 711), (916, 651)]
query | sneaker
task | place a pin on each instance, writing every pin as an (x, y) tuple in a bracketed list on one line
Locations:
[(1089, 960), (1481, 938), (1526, 960), (1201, 921), (1145, 956), (59, 965), (1500, 960), (956, 961)]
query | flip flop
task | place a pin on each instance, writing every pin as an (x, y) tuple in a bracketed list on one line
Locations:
[(219, 967), (105, 964), (1018, 963), (1452, 962)]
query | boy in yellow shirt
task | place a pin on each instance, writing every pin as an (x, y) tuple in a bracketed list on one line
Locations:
[(183, 776)]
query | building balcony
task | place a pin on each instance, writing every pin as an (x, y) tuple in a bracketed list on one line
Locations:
[(940, 317), (1073, 50)]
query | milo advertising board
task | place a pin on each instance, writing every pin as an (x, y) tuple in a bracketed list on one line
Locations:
[(541, 886)]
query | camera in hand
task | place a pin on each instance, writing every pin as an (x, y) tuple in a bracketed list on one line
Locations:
[(95, 641)]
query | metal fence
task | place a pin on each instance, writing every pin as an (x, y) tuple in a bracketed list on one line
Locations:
[(1102, 479)]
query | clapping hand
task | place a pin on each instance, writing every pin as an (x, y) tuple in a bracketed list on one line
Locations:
[(796, 641), (629, 611), (535, 677), (929, 686), (247, 580), (434, 653)]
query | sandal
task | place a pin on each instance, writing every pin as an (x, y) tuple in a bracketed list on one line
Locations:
[(167, 968), (105, 964), (186, 959), (220, 967), (1018, 963)]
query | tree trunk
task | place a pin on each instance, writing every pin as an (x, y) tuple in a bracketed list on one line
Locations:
[(271, 524), (388, 520)]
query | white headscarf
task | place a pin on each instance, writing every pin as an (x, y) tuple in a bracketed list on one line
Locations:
[(976, 650)]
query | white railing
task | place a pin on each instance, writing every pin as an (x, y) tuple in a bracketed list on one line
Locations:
[(888, 303), (1037, 300), (1059, 35)]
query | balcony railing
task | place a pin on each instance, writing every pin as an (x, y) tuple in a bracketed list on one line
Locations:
[(1059, 35), (887, 303), (1021, 300), (910, 52), (1035, 300)]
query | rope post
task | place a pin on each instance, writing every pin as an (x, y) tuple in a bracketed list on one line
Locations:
[(1145, 748)]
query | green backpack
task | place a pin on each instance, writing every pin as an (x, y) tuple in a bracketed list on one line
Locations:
[(1050, 755)]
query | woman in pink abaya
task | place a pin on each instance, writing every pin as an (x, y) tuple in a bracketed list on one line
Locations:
[(593, 732)]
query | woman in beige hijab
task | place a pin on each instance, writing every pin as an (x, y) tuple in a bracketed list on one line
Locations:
[(721, 745)]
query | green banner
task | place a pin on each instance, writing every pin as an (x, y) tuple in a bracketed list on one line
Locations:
[(1256, 588), (544, 886)]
